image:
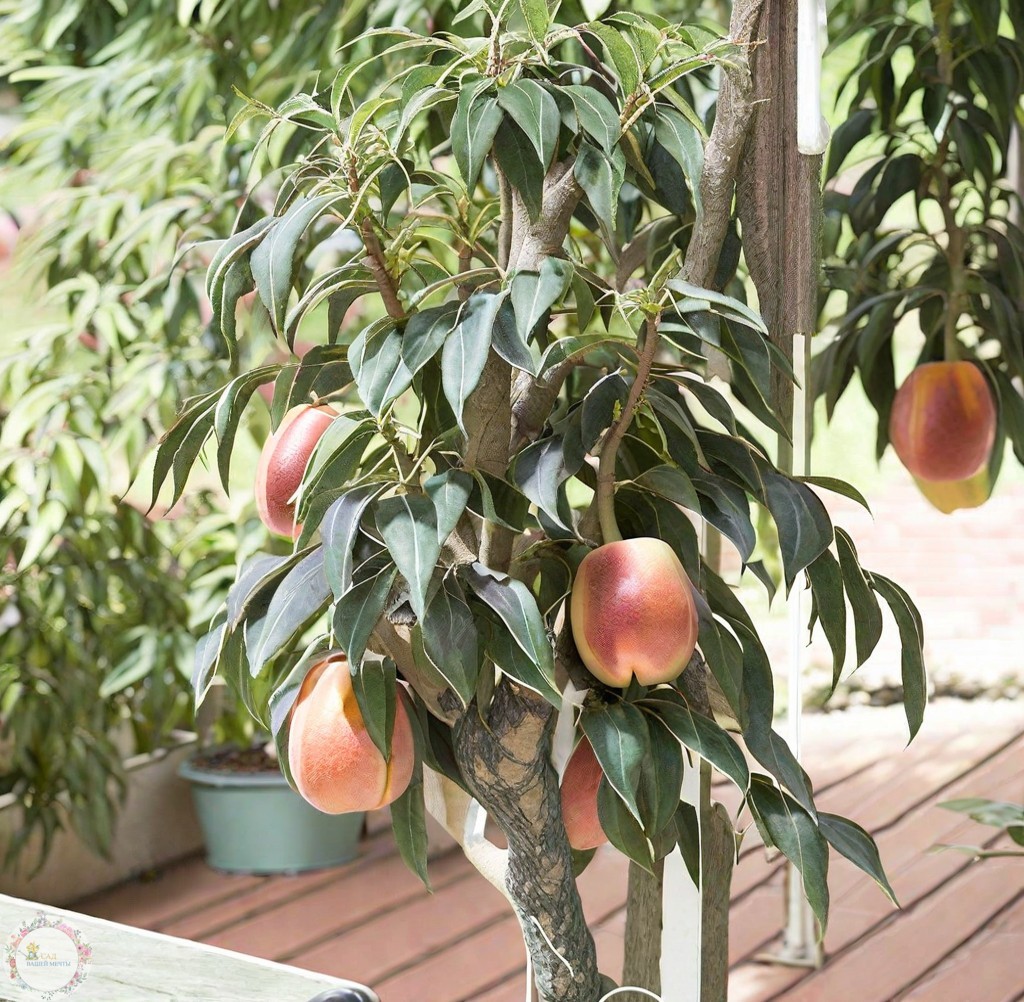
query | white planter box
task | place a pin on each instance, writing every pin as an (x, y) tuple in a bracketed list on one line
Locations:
[(157, 823)]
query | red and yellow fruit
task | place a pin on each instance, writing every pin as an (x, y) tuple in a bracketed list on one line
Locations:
[(633, 612), (580, 781), (951, 495), (333, 761), (943, 421), (282, 463)]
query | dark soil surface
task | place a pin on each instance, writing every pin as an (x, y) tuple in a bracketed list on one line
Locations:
[(236, 760)]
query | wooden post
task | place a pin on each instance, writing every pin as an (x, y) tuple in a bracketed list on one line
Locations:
[(779, 202)]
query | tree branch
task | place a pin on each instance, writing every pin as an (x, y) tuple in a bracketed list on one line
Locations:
[(375, 262)]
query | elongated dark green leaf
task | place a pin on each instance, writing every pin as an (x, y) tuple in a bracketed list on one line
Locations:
[(670, 482), (593, 170), (539, 472), (908, 620), (449, 492), (273, 259), (208, 649), (848, 838), (838, 487), (300, 598), (699, 734), (723, 653), (805, 530), (621, 827), (596, 115), (618, 734), (534, 293), (504, 650), (509, 341), (339, 530), (377, 364), (374, 682), (476, 120), (534, 110), (408, 525), (515, 605), (685, 145), (228, 413), (867, 616), (786, 825), (519, 163), (357, 612), (465, 352), (254, 581), (830, 606), (409, 826), (450, 638), (661, 781), (181, 444), (425, 334), (727, 508)]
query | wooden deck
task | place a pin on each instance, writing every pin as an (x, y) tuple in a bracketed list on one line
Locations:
[(959, 936)]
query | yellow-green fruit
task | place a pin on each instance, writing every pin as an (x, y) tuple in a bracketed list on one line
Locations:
[(633, 612), (951, 495)]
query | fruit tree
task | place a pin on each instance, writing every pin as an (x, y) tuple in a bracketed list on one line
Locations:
[(498, 480)]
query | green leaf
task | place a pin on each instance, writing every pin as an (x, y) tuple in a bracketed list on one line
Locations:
[(618, 734), (450, 639), (837, 487), (535, 293), (623, 57), (515, 605), (786, 825), (597, 116), (228, 413), (408, 525), (671, 483), (378, 366), (425, 334), (622, 828), (474, 125), (685, 145), (449, 492), (465, 352), (661, 781), (507, 654), (805, 530), (867, 616), (533, 109), (537, 16), (357, 612), (409, 825), (829, 607), (698, 733), (299, 600), (594, 172), (520, 166), (848, 838), (908, 620), (374, 682), (273, 260), (509, 341), (539, 472), (339, 530)]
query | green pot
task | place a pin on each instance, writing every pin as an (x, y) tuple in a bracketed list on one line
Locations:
[(256, 823)]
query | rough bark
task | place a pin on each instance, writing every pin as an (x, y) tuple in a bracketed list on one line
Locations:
[(642, 966), (506, 760)]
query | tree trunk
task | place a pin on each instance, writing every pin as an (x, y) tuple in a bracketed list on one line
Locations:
[(642, 968), (506, 760)]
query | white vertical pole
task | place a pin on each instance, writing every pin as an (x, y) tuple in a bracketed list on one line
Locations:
[(682, 930)]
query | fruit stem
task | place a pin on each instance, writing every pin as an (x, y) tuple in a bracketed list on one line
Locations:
[(605, 496)]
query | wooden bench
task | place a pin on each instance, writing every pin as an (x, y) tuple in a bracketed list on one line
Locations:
[(121, 964)]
